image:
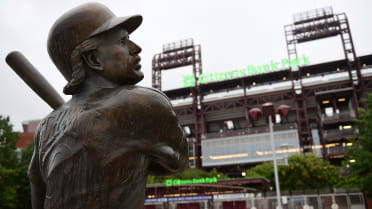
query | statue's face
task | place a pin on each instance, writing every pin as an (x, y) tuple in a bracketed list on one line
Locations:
[(120, 58)]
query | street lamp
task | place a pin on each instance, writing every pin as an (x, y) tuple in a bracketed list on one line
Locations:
[(269, 113)]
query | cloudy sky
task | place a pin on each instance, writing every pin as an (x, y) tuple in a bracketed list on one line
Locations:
[(232, 34)]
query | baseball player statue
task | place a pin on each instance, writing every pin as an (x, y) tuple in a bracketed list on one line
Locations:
[(96, 150)]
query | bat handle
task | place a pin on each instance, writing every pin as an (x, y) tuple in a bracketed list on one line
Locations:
[(34, 79)]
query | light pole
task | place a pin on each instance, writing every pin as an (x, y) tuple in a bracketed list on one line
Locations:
[(269, 113)]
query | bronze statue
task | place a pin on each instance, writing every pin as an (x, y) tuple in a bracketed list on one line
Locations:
[(96, 150)]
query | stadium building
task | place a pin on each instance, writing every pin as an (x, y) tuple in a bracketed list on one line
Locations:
[(222, 115)]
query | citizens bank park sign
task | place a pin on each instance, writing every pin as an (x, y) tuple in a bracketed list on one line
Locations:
[(250, 70)]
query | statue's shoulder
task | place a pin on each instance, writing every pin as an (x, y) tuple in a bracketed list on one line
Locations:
[(59, 120), (140, 96)]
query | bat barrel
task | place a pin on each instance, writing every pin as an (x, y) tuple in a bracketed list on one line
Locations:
[(34, 79)]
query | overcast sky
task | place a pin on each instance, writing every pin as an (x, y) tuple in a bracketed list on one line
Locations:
[(232, 34)]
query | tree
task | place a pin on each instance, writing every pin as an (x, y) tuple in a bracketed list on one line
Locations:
[(14, 184), (359, 156), (265, 170), (303, 172), (308, 172)]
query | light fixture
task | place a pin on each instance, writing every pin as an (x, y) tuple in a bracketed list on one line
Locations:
[(341, 99), (349, 144), (307, 74), (338, 69), (347, 127), (284, 78), (253, 83), (190, 94), (243, 173), (219, 157), (364, 65), (211, 91), (352, 161), (237, 86), (325, 101), (229, 124), (187, 130)]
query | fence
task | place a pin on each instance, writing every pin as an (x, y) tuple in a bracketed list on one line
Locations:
[(250, 201)]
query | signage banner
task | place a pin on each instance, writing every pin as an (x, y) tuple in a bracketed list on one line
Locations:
[(179, 199), (230, 196), (178, 182), (190, 198), (250, 70), (156, 200)]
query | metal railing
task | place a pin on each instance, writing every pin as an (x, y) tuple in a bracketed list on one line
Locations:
[(337, 133), (341, 115), (251, 130)]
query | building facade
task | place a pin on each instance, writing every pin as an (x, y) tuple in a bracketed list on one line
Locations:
[(221, 113)]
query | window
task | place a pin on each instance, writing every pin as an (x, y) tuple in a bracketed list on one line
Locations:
[(277, 118), (329, 111), (187, 130), (229, 124)]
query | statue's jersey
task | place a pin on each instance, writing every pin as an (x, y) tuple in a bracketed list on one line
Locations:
[(97, 154)]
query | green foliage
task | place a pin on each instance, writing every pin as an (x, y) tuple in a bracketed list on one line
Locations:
[(359, 157), (263, 170), (309, 172), (303, 172), (14, 184), (189, 173)]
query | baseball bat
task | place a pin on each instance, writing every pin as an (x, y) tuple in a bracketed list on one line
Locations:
[(34, 79)]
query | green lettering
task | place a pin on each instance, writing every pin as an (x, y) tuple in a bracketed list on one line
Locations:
[(188, 81), (274, 65), (305, 60), (211, 77), (251, 70), (221, 76), (168, 182), (228, 75), (266, 68), (203, 78), (258, 69), (235, 73), (242, 73), (284, 62), (298, 61), (293, 63)]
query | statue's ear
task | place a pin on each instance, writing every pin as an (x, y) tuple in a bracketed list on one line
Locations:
[(92, 60)]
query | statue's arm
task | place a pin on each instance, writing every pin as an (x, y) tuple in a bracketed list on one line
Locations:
[(37, 184), (142, 120), (169, 155)]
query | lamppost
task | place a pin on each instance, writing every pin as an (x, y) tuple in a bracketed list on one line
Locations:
[(269, 113)]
